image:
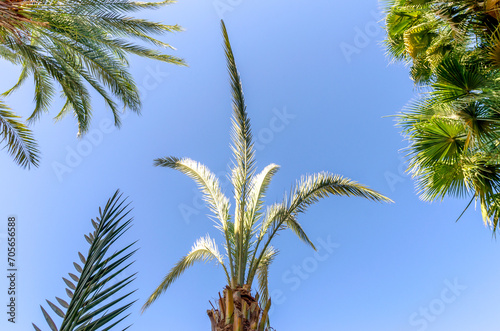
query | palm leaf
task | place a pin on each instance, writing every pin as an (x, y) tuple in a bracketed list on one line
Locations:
[(17, 138), (92, 305), (70, 45), (204, 250), (243, 157)]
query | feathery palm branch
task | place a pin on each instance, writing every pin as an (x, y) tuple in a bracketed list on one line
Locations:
[(249, 234), (17, 138), (76, 46), (92, 304)]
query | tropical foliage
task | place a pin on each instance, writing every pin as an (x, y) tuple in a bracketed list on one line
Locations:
[(454, 125), (76, 47), (96, 290), (250, 231), (424, 32)]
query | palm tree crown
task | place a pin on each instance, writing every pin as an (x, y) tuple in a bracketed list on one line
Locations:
[(74, 45), (249, 232), (453, 128)]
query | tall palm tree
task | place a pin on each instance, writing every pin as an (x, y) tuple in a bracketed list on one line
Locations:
[(250, 231), (75, 46), (453, 128), (96, 291)]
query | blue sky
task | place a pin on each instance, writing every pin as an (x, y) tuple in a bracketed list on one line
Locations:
[(317, 85)]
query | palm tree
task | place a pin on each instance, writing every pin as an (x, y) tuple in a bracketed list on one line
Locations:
[(249, 233), (454, 135), (74, 45), (453, 128), (94, 304), (423, 32)]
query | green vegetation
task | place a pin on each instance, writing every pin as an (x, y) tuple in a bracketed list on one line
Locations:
[(93, 303), (453, 51), (71, 45), (250, 231)]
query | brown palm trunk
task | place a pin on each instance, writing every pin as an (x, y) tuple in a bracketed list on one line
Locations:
[(492, 8), (238, 310)]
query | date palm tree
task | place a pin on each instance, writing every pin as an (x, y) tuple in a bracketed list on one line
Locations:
[(249, 233), (76, 47), (96, 290)]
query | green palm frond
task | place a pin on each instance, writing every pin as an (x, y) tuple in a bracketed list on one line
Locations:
[(453, 128), (244, 157), (204, 250), (92, 304), (18, 139), (307, 191), (456, 79), (73, 45)]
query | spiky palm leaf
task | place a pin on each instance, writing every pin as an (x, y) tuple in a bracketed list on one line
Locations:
[(17, 138), (93, 305), (249, 234)]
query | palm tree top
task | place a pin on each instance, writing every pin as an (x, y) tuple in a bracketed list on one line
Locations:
[(249, 231), (75, 47)]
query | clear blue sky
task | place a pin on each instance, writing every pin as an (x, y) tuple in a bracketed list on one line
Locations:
[(405, 266)]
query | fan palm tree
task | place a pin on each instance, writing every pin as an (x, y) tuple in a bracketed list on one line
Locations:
[(250, 231), (423, 32), (75, 46), (454, 134), (453, 128), (95, 303)]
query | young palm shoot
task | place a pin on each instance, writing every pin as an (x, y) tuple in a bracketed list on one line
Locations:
[(250, 231), (96, 291)]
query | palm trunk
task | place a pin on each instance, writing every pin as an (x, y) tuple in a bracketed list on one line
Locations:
[(238, 310), (492, 8)]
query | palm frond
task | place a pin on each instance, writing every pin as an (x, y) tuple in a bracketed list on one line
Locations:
[(243, 156), (207, 182), (307, 191), (263, 273), (74, 44), (204, 250), (92, 305), (18, 138)]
